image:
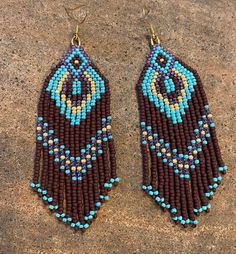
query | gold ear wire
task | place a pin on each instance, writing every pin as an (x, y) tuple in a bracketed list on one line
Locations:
[(154, 38), (75, 39)]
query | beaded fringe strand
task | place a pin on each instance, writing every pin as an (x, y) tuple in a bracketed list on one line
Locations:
[(75, 164), (182, 163)]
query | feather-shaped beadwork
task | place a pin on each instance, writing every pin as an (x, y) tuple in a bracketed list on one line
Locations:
[(182, 164), (75, 163)]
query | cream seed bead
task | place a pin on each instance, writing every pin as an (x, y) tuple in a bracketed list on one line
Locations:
[(63, 157), (174, 161), (67, 162), (104, 129), (88, 156), (108, 127), (73, 168), (79, 168), (150, 138), (93, 148), (45, 134), (83, 160), (39, 128)]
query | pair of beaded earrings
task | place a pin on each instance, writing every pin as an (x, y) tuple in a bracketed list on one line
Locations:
[(75, 164)]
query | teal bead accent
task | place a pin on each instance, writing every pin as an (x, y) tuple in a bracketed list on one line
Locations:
[(158, 199), (195, 222), (72, 225), (57, 215), (173, 210), (50, 199), (86, 226), (32, 185)]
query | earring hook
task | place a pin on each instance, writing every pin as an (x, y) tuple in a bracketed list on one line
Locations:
[(154, 38), (76, 39)]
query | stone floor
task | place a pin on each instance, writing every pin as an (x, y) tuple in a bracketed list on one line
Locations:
[(34, 35)]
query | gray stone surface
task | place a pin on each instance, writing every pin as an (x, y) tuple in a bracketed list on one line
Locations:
[(34, 35)]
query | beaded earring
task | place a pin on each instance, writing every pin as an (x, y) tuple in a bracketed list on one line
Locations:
[(182, 163), (75, 164)]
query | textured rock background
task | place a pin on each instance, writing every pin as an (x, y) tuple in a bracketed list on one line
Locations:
[(34, 35)]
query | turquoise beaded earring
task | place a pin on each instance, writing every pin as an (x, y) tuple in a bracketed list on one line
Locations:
[(75, 164), (182, 163)]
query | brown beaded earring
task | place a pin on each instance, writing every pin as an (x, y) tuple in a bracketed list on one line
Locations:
[(182, 163), (75, 165)]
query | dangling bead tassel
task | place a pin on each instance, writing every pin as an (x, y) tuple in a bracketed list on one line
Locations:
[(75, 165), (182, 164)]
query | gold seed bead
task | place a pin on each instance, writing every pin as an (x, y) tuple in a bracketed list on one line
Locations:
[(150, 138)]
